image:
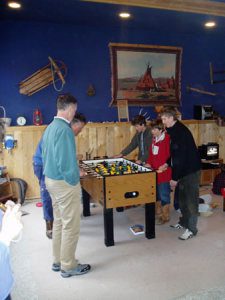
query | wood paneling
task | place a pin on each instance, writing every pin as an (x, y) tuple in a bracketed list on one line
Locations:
[(221, 141), (194, 6), (208, 133), (102, 138), (19, 160)]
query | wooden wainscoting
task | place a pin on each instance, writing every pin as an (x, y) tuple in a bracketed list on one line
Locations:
[(100, 138), (19, 160)]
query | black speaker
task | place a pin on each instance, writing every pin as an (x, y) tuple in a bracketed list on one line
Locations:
[(203, 112)]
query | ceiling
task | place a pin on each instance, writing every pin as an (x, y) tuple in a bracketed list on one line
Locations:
[(183, 16)]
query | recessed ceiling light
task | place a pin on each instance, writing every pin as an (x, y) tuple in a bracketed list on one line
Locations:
[(14, 4), (210, 24), (124, 15)]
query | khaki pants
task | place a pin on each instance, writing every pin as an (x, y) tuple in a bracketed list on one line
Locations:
[(66, 200)]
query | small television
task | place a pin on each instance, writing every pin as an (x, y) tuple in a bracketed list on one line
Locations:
[(209, 151)]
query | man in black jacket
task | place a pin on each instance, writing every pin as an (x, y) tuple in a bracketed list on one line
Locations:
[(186, 165)]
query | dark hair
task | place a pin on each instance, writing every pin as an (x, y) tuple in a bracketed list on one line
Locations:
[(157, 124), (79, 117), (170, 111), (138, 120), (65, 100)]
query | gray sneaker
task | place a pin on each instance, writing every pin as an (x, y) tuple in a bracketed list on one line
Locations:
[(79, 270), (186, 235), (56, 267), (176, 226)]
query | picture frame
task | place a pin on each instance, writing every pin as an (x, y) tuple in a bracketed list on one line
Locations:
[(145, 75)]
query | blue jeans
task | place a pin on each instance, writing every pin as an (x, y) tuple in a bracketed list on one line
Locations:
[(163, 193), (46, 199)]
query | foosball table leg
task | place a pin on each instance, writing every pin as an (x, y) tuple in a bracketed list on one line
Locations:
[(86, 203), (108, 227), (150, 220)]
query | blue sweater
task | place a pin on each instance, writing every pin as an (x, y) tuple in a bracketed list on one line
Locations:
[(37, 158), (59, 152)]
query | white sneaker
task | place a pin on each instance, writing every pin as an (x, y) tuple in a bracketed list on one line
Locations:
[(186, 235), (176, 226)]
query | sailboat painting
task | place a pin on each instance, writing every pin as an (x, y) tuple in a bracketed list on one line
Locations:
[(145, 75)]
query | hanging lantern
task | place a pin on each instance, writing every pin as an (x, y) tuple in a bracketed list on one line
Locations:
[(37, 117)]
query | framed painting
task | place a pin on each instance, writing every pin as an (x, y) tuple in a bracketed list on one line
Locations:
[(145, 75)]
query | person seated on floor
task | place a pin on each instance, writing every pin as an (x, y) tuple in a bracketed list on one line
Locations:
[(11, 227), (219, 181)]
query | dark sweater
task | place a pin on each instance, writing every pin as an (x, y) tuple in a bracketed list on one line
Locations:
[(136, 142), (185, 158)]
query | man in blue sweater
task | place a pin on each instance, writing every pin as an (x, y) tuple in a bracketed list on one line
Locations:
[(62, 178), (77, 125)]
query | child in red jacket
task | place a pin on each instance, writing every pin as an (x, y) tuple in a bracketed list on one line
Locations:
[(159, 153)]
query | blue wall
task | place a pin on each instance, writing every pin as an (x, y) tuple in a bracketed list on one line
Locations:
[(25, 48)]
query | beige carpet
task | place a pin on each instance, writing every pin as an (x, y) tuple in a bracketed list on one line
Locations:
[(135, 268)]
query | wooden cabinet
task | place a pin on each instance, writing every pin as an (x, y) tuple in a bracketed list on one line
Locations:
[(208, 175), (6, 191)]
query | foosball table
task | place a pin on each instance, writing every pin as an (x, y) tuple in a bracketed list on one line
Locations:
[(117, 183)]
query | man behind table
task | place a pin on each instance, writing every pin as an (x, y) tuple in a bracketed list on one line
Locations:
[(141, 140), (63, 183)]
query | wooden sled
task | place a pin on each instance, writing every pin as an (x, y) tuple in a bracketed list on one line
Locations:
[(53, 72)]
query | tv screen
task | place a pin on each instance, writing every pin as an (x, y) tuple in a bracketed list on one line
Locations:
[(209, 151), (212, 150)]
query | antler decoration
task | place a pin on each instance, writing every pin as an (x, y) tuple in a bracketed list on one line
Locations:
[(147, 117)]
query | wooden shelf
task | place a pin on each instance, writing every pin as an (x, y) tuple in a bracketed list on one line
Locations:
[(208, 175)]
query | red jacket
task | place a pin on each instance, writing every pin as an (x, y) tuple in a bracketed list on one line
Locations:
[(159, 152)]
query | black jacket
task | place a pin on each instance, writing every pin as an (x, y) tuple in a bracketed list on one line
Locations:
[(185, 158)]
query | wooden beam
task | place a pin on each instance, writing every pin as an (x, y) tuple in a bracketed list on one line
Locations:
[(189, 88), (193, 6)]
